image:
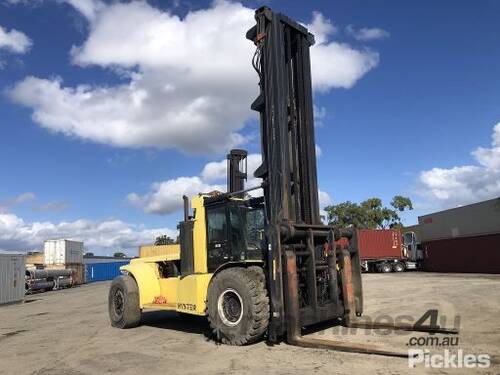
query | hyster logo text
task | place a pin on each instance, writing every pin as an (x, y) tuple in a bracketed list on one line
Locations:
[(448, 359)]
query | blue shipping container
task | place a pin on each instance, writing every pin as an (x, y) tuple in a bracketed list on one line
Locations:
[(103, 271)]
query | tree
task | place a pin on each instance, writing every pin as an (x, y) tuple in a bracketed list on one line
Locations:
[(163, 240), (119, 255), (401, 203), (369, 214)]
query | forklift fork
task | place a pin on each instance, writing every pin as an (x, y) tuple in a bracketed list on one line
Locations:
[(294, 334)]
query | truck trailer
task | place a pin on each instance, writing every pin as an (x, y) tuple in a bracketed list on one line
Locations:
[(382, 250), (462, 239)]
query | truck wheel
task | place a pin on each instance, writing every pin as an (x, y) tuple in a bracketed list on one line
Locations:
[(123, 303), (398, 267), (238, 306), (385, 268)]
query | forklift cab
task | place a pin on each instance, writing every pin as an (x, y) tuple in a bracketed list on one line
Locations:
[(235, 231)]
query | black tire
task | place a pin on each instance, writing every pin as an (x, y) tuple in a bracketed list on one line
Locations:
[(123, 303), (238, 306), (385, 267), (398, 267)]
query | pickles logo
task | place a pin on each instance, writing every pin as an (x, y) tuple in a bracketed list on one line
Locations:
[(448, 359)]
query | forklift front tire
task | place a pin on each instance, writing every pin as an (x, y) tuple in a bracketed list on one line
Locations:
[(123, 303), (238, 306)]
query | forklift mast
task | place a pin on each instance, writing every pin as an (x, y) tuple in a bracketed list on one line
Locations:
[(309, 280)]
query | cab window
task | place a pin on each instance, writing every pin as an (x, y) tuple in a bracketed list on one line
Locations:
[(217, 224)]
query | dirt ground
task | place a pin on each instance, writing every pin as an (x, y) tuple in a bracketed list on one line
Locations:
[(67, 332)]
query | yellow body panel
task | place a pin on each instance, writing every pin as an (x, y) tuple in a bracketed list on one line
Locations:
[(199, 236), (192, 294), (146, 251), (146, 276), (168, 290)]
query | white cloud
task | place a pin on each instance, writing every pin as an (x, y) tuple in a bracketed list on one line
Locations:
[(214, 171), (88, 8), (451, 187), (166, 196), (318, 151), (321, 27), (336, 65), (366, 34), (14, 41), (107, 235), (13, 201), (24, 197), (55, 206), (320, 115), (190, 82), (324, 198), (217, 170)]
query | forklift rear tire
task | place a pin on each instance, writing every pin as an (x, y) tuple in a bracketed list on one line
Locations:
[(238, 306), (123, 303)]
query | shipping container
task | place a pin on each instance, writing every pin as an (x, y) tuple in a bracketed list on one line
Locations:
[(477, 219), (103, 271), (63, 252), (12, 270), (153, 251), (383, 243), (102, 259), (479, 254), (35, 259)]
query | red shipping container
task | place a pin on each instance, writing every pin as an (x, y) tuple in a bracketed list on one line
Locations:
[(379, 243), (479, 254)]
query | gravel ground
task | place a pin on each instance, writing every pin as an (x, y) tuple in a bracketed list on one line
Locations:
[(67, 332)]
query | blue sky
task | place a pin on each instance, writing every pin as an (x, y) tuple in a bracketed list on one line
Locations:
[(406, 94)]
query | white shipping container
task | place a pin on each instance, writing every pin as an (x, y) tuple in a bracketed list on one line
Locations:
[(63, 252), (12, 273)]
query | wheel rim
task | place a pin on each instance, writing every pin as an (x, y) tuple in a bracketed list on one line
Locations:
[(118, 303), (230, 307), (387, 268)]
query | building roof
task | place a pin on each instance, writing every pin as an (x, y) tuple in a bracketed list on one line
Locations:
[(5, 252)]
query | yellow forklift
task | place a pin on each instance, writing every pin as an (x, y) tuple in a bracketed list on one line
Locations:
[(261, 266)]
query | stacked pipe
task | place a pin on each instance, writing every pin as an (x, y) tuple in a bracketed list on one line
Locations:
[(46, 279)]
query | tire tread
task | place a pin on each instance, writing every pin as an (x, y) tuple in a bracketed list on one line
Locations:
[(253, 277)]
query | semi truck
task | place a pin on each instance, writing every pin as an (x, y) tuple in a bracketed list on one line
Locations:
[(382, 250), (462, 239)]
